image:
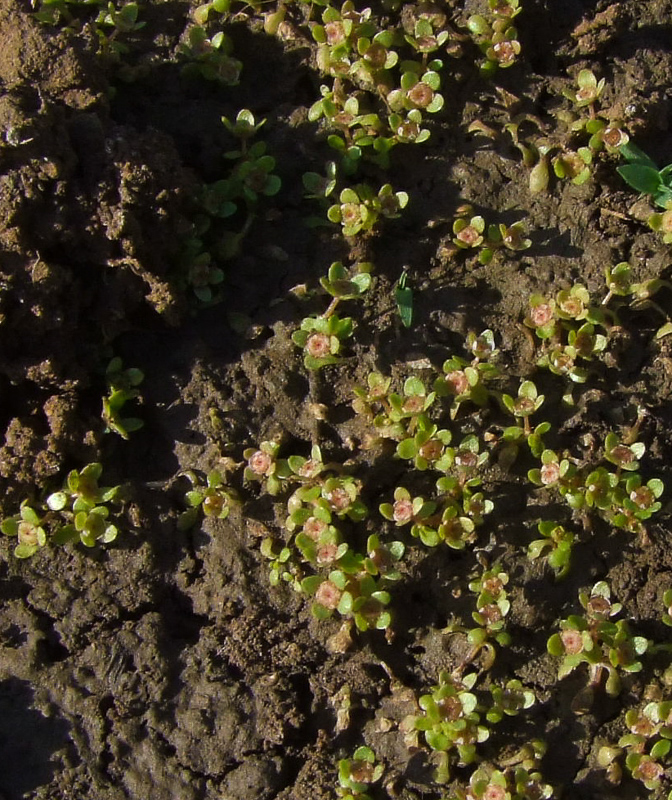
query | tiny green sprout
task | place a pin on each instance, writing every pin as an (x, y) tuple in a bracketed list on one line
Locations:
[(523, 406), (375, 394), (646, 745), (27, 526), (344, 284), (510, 700), (573, 303), (574, 165), (321, 339), (356, 774), (642, 174), (281, 565), (403, 296), (624, 456), (264, 465), (542, 317), (407, 128), (212, 497), (416, 400), (122, 386), (496, 36), (468, 231), (245, 125), (555, 545), (319, 187)]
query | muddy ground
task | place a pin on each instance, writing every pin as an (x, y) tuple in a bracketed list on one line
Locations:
[(165, 663)]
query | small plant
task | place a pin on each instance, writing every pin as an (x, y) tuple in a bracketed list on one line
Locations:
[(644, 749), (321, 339), (209, 57), (28, 527), (606, 647), (359, 208), (524, 405), (496, 36), (212, 497), (356, 774), (122, 386), (80, 511), (642, 174), (555, 546), (471, 232)]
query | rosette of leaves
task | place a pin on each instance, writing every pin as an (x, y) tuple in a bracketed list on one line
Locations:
[(264, 465), (321, 338), (450, 722), (624, 456), (407, 128), (573, 165), (376, 58), (383, 558), (525, 404), (344, 284), (465, 381), (542, 317), (122, 386), (338, 35), (487, 783), (509, 700), (588, 90), (360, 597), (645, 747), (28, 527), (253, 174), (82, 505), (212, 497), (407, 509), (307, 469), (209, 57), (594, 640), (428, 447), (418, 89), (416, 400), (496, 36), (243, 128), (356, 774), (455, 529), (370, 400), (555, 546)]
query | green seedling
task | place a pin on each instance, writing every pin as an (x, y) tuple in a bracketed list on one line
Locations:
[(122, 386), (78, 512), (211, 497), (496, 36), (321, 339), (403, 296), (644, 749), (356, 774), (209, 57), (471, 232), (344, 284), (28, 528), (555, 547), (524, 405), (428, 447), (467, 380), (487, 783), (492, 607), (606, 647), (359, 208)]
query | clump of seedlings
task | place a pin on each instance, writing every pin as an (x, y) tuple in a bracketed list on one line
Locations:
[(496, 36), (455, 717), (608, 648), (471, 232), (644, 750), (79, 512)]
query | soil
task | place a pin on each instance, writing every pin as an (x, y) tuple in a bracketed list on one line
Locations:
[(165, 663)]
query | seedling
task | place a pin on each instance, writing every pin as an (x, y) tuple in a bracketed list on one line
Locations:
[(403, 296), (527, 403), (264, 465), (555, 546), (471, 232), (209, 57), (28, 527), (644, 749), (606, 647), (122, 386), (356, 774), (359, 208), (321, 339), (211, 497), (496, 36)]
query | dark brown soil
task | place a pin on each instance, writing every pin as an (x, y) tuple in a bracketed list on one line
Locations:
[(165, 664)]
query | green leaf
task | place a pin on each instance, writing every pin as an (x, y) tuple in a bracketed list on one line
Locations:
[(642, 178)]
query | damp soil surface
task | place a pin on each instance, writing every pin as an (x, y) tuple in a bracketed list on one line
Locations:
[(165, 664)]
